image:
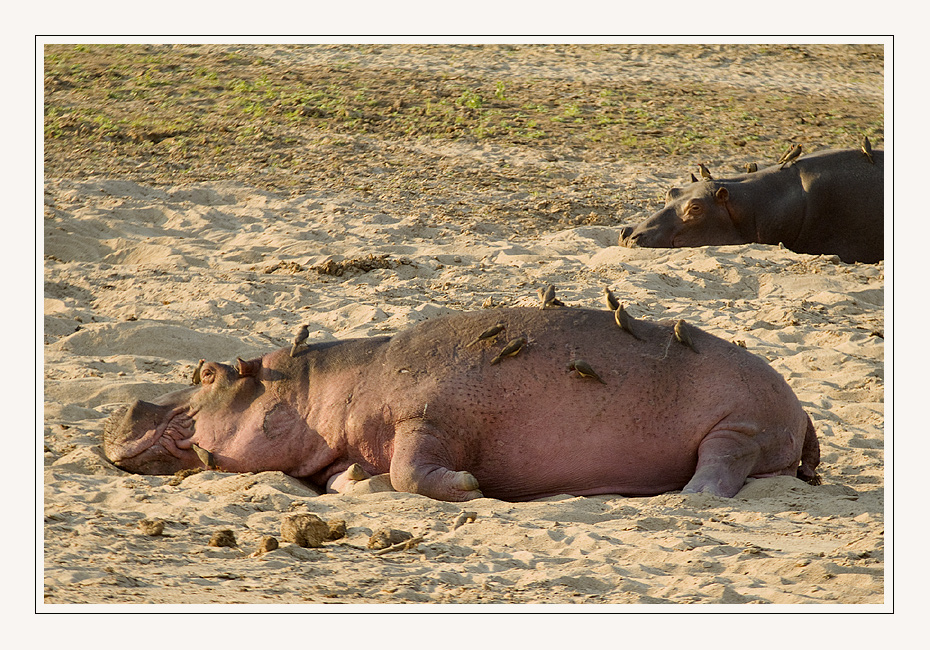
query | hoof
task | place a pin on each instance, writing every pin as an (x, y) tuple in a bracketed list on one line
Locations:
[(466, 487), (356, 473), (465, 481)]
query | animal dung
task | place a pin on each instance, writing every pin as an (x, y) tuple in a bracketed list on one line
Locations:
[(337, 529), (305, 529), (387, 537), (151, 527), (223, 537)]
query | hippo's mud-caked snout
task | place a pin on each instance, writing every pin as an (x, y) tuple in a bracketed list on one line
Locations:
[(625, 233), (148, 438), (652, 233)]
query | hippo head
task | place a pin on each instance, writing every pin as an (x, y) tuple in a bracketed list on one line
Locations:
[(233, 413), (698, 215)]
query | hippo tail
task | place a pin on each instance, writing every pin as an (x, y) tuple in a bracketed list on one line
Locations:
[(810, 456)]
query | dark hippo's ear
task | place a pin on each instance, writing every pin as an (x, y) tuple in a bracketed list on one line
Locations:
[(672, 194), (694, 178), (248, 368), (722, 195)]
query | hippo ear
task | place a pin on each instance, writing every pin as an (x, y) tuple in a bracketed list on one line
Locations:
[(694, 178), (722, 195), (248, 368)]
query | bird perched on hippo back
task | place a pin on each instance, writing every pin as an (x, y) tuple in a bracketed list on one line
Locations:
[(611, 299), (825, 203), (547, 297), (300, 339), (867, 149), (509, 350), (790, 155)]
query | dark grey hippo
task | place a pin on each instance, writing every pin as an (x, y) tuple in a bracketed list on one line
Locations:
[(429, 408), (828, 202)]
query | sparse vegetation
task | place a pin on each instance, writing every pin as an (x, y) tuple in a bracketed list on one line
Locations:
[(148, 112)]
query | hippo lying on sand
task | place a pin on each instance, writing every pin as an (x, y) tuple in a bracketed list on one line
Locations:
[(428, 407), (828, 202)]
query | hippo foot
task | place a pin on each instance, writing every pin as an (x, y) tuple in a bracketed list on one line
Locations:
[(443, 484), (421, 464), (726, 457), (344, 481)]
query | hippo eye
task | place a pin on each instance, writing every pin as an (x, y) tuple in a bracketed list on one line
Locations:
[(693, 210)]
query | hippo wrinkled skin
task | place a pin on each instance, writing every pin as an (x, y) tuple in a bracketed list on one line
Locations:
[(428, 407), (829, 202)]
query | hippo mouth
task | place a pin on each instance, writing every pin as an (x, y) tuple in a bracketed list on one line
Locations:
[(150, 438)]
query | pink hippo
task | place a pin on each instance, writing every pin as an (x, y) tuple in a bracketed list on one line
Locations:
[(582, 407)]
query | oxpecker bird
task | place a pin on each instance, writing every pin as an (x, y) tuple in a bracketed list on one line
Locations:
[(510, 349), (612, 302), (683, 336), (302, 334), (790, 155), (584, 369), (491, 332), (625, 322), (867, 149), (195, 379)]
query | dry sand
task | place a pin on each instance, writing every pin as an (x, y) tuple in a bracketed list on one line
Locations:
[(142, 280)]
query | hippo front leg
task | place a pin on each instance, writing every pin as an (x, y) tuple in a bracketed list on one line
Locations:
[(421, 463), (725, 460)]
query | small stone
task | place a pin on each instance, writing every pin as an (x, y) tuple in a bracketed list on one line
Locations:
[(223, 537), (464, 518), (268, 544), (304, 529), (151, 527), (385, 537)]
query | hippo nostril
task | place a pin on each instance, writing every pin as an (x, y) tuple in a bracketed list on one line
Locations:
[(628, 237), (132, 428)]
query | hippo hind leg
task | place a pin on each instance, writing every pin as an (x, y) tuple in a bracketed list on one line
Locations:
[(421, 464), (725, 460), (810, 456)]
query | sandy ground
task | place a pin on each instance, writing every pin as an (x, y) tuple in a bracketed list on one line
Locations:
[(144, 278)]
